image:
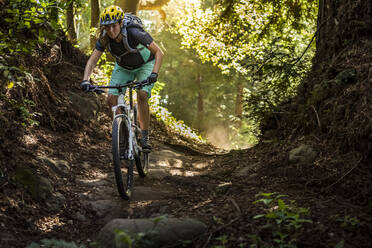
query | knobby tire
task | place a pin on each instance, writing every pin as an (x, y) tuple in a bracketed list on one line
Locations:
[(119, 149)]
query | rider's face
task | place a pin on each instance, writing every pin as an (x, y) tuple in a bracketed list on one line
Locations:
[(113, 30)]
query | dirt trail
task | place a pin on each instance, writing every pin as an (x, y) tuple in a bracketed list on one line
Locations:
[(101, 195), (94, 199)]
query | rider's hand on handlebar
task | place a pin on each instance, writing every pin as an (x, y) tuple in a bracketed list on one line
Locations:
[(153, 77), (96, 90), (85, 86)]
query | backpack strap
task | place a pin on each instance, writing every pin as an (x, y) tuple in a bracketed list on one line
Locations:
[(124, 33)]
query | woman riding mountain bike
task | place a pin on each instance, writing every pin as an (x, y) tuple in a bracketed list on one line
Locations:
[(137, 57)]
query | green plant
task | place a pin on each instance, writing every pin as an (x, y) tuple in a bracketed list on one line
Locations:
[(347, 221), (53, 243), (27, 117), (105, 70), (169, 120), (340, 244), (285, 221), (223, 240), (28, 23)]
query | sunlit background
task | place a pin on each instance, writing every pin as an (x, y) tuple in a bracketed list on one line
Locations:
[(226, 64)]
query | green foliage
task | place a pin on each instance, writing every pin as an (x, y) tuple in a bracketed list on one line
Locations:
[(284, 221), (53, 243), (162, 114), (28, 23), (323, 90), (82, 15), (223, 240), (186, 78), (340, 244), (231, 34), (275, 81), (244, 132), (28, 117), (347, 222), (262, 41), (24, 110), (106, 67)]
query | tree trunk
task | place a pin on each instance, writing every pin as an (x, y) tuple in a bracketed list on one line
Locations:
[(156, 5), (94, 18), (320, 34), (239, 101), (327, 101), (339, 24), (70, 21), (200, 107), (54, 12), (130, 6)]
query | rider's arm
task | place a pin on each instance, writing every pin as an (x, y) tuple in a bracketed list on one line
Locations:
[(155, 49), (92, 61)]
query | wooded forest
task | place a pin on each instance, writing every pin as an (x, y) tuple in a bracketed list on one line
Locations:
[(261, 122)]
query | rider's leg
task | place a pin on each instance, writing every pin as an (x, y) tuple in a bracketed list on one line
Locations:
[(143, 110), (143, 117), (142, 98), (112, 100)]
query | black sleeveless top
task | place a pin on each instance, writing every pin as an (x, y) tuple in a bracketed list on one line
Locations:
[(129, 61)]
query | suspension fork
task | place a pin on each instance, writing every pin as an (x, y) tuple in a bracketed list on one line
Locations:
[(125, 115)]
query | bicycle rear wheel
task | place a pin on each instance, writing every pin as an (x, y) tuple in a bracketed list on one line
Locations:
[(141, 158), (142, 163), (120, 143)]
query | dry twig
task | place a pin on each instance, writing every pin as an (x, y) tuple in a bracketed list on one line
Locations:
[(357, 163), (317, 116), (235, 205)]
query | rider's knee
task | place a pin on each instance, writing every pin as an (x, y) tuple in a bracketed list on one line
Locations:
[(142, 96), (112, 100)]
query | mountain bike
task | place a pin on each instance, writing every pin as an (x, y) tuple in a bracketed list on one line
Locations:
[(125, 138)]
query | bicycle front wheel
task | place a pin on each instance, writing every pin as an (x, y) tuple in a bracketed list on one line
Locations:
[(120, 147)]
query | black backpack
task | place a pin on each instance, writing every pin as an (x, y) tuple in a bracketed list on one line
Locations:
[(130, 20)]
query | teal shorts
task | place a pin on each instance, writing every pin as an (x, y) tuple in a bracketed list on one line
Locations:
[(120, 76)]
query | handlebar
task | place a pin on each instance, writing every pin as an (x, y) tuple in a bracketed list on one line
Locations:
[(130, 84)]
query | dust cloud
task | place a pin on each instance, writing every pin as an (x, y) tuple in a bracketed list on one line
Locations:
[(219, 137)]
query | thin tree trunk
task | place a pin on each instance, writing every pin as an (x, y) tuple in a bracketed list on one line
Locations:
[(94, 18), (70, 22), (320, 34), (54, 12), (200, 107)]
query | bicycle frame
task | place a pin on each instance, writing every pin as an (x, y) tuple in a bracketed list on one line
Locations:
[(127, 112), (128, 108)]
